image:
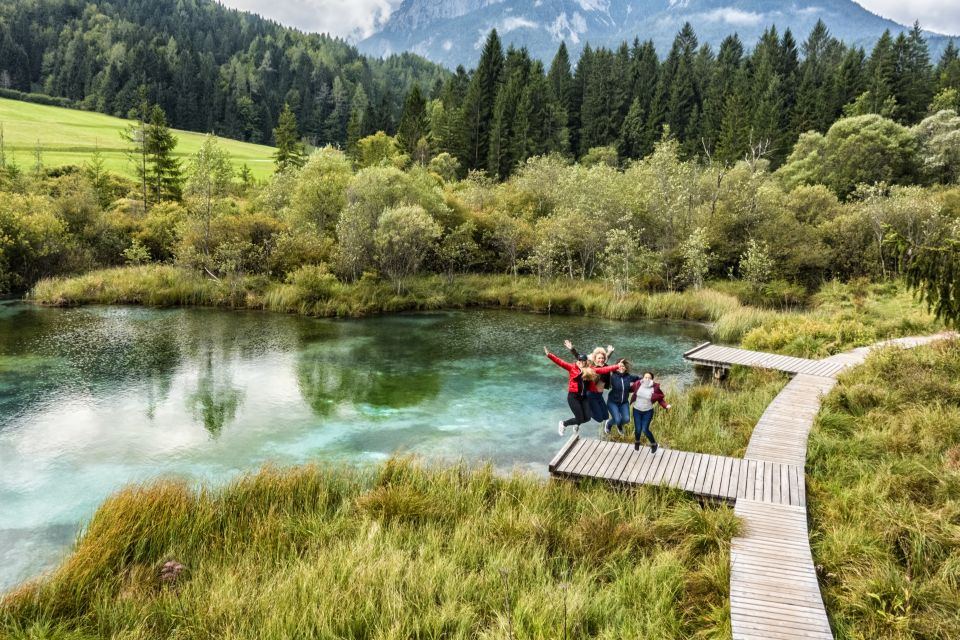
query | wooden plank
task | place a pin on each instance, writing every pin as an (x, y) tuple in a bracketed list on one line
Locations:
[(564, 450), (701, 475), (571, 461), (613, 469), (722, 467), (727, 477), (606, 459), (751, 479), (600, 458), (679, 469), (586, 458), (693, 469), (775, 482), (652, 469), (646, 458), (632, 461), (657, 477)]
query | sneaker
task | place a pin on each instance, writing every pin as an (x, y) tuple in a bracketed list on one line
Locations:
[(636, 446), (606, 426), (653, 447), (576, 429), (620, 430), (562, 429)]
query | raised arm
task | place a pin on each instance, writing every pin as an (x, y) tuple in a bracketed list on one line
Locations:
[(557, 361), (609, 351), (569, 346)]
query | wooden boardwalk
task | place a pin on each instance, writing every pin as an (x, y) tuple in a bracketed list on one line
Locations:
[(715, 477), (716, 356), (774, 589)]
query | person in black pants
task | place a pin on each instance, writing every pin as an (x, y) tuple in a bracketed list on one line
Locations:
[(580, 375)]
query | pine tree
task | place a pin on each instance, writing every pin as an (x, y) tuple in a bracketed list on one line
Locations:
[(644, 76), (633, 133), (480, 101), (290, 151), (165, 176), (335, 126)]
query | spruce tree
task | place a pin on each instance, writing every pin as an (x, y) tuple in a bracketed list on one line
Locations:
[(501, 157), (719, 88), (480, 101), (644, 76), (812, 110), (881, 74), (561, 80), (413, 123), (948, 69), (136, 136), (290, 151), (165, 177), (915, 82)]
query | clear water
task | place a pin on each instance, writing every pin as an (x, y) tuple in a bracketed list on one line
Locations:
[(94, 398)]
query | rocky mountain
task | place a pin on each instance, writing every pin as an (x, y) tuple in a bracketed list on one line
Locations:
[(452, 31)]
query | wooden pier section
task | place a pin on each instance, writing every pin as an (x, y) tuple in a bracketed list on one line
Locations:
[(774, 589)]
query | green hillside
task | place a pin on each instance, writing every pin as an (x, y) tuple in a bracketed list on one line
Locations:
[(69, 136)]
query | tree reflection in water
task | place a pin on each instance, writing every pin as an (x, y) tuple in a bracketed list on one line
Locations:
[(216, 400)]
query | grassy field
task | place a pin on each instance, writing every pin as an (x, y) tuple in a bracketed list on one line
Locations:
[(883, 474), (70, 137)]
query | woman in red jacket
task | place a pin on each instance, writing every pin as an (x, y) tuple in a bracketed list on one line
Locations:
[(577, 386)]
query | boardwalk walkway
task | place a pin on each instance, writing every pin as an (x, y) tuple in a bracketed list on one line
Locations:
[(774, 590)]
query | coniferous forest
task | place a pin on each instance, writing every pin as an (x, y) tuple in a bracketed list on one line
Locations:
[(214, 69)]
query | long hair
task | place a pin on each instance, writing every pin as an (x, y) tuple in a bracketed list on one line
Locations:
[(625, 363)]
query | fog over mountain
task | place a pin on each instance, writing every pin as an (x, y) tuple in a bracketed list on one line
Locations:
[(452, 31)]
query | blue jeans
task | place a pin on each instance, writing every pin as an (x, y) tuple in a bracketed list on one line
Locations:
[(619, 413), (598, 407), (641, 425)]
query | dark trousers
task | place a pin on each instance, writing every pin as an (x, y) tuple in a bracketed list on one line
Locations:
[(641, 425), (580, 405), (598, 408)]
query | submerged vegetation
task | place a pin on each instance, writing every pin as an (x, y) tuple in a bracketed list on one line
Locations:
[(403, 551)]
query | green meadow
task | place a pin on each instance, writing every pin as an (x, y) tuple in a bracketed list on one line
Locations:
[(70, 137)]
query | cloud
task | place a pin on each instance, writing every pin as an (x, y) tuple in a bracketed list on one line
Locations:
[(512, 24), (942, 16), (733, 16), (351, 19)]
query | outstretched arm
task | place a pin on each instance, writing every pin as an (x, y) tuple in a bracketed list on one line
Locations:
[(609, 350), (557, 361), (569, 345)]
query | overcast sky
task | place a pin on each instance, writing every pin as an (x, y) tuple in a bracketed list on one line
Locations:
[(355, 19)]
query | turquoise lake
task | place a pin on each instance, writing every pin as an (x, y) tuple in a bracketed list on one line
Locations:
[(95, 398)]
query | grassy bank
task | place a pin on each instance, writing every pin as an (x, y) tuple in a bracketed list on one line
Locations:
[(70, 137), (840, 316), (397, 553), (884, 479)]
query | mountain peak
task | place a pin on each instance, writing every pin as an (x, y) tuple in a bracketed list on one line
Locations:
[(452, 32)]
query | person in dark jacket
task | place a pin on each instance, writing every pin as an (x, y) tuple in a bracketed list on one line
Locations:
[(598, 359), (618, 400), (646, 393), (580, 374)]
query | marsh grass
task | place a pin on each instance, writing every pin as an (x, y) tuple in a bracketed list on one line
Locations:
[(841, 316), (885, 496), (400, 551)]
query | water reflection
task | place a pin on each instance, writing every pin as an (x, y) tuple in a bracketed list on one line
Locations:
[(216, 400)]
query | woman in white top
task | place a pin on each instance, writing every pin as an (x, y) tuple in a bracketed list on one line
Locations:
[(646, 393)]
